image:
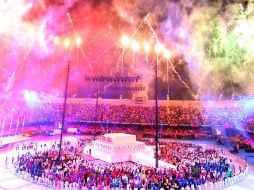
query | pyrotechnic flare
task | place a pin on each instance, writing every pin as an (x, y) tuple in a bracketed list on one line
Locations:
[(166, 53), (56, 40), (158, 48), (125, 40), (147, 47), (67, 43), (78, 41), (135, 46)]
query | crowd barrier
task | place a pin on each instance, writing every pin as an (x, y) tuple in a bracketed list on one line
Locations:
[(227, 182), (53, 185)]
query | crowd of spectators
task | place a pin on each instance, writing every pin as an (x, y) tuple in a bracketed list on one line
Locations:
[(16, 112), (180, 133), (107, 113), (195, 166)]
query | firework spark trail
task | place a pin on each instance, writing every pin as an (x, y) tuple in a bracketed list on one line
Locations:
[(10, 82), (179, 77), (86, 58), (73, 30), (182, 81), (110, 47), (29, 49), (230, 76), (106, 86), (132, 36), (70, 20), (125, 48), (150, 27), (203, 25)]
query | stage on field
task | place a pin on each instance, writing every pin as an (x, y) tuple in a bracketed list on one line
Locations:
[(121, 147)]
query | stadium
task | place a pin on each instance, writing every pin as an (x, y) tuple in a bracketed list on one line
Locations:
[(115, 94)]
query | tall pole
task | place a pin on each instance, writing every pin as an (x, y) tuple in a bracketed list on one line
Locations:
[(96, 111), (23, 123), (17, 125), (156, 114), (10, 127), (64, 110), (3, 124), (167, 82)]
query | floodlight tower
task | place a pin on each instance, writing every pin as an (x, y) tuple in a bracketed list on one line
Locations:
[(67, 44), (158, 49), (64, 110)]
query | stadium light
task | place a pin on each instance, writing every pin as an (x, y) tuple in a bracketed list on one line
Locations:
[(166, 53), (147, 47), (125, 40), (135, 46), (56, 40), (158, 48), (78, 41), (67, 42)]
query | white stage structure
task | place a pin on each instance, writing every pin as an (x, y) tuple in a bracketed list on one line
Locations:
[(121, 147)]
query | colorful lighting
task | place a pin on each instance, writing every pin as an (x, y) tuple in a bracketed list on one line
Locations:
[(166, 53), (147, 47), (158, 48), (135, 46), (125, 40), (67, 42), (56, 40), (78, 41)]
